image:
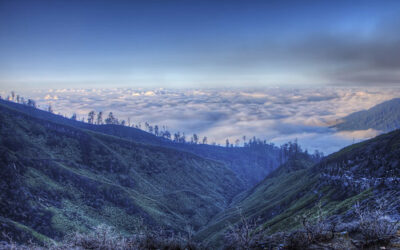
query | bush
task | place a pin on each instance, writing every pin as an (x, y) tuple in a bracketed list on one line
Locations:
[(106, 238), (375, 225), (320, 230), (242, 235)]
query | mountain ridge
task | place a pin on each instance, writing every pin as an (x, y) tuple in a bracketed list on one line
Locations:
[(58, 179), (383, 117)]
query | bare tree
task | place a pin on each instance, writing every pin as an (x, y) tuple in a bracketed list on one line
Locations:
[(375, 225), (50, 108), (195, 138), (91, 116), (242, 234), (100, 118)]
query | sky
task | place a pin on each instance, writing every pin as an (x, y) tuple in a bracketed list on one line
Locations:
[(198, 44)]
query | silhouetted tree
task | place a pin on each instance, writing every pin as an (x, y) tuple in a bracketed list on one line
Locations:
[(205, 140), (91, 116), (50, 109), (195, 138), (110, 119), (156, 130), (31, 103), (73, 117), (177, 136), (167, 134), (183, 138), (100, 118)]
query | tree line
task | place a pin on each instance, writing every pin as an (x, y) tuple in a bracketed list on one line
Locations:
[(289, 150)]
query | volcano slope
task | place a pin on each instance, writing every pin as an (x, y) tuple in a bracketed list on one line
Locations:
[(364, 172), (57, 179)]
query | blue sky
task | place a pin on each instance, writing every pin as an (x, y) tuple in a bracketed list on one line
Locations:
[(198, 43)]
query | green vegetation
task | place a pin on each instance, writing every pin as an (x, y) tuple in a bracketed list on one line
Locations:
[(299, 187), (61, 177), (58, 179)]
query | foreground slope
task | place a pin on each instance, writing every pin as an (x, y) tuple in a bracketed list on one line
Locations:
[(361, 172), (57, 178), (251, 164), (384, 117)]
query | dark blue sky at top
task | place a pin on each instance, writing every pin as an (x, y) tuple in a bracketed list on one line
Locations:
[(198, 43)]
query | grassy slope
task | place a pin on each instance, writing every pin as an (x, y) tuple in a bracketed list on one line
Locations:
[(57, 179), (295, 188), (250, 165)]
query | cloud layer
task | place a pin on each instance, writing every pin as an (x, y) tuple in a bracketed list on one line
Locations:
[(275, 114)]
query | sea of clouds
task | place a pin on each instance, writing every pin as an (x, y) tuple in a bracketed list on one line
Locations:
[(275, 114)]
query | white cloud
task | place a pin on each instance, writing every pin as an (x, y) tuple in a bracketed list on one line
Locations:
[(275, 114)]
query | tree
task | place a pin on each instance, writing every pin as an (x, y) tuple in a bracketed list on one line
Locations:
[(177, 137), (50, 109), (156, 130), (31, 103), (73, 117), (195, 138), (110, 119), (167, 134), (18, 98), (12, 95), (183, 138), (91, 116), (100, 118), (205, 140), (227, 143)]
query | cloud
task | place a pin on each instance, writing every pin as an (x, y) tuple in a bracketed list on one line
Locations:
[(353, 57), (274, 114), (340, 57)]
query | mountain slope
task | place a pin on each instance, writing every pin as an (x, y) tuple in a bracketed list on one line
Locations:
[(361, 172), (58, 178), (384, 117), (251, 164)]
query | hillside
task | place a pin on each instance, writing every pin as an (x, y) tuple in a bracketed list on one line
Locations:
[(58, 179), (383, 117), (362, 172), (251, 164)]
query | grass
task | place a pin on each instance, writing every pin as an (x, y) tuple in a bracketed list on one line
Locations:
[(78, 179)]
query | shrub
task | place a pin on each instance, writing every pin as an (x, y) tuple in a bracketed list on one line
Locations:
[(107, 238), (241, 235), (375, 225)]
